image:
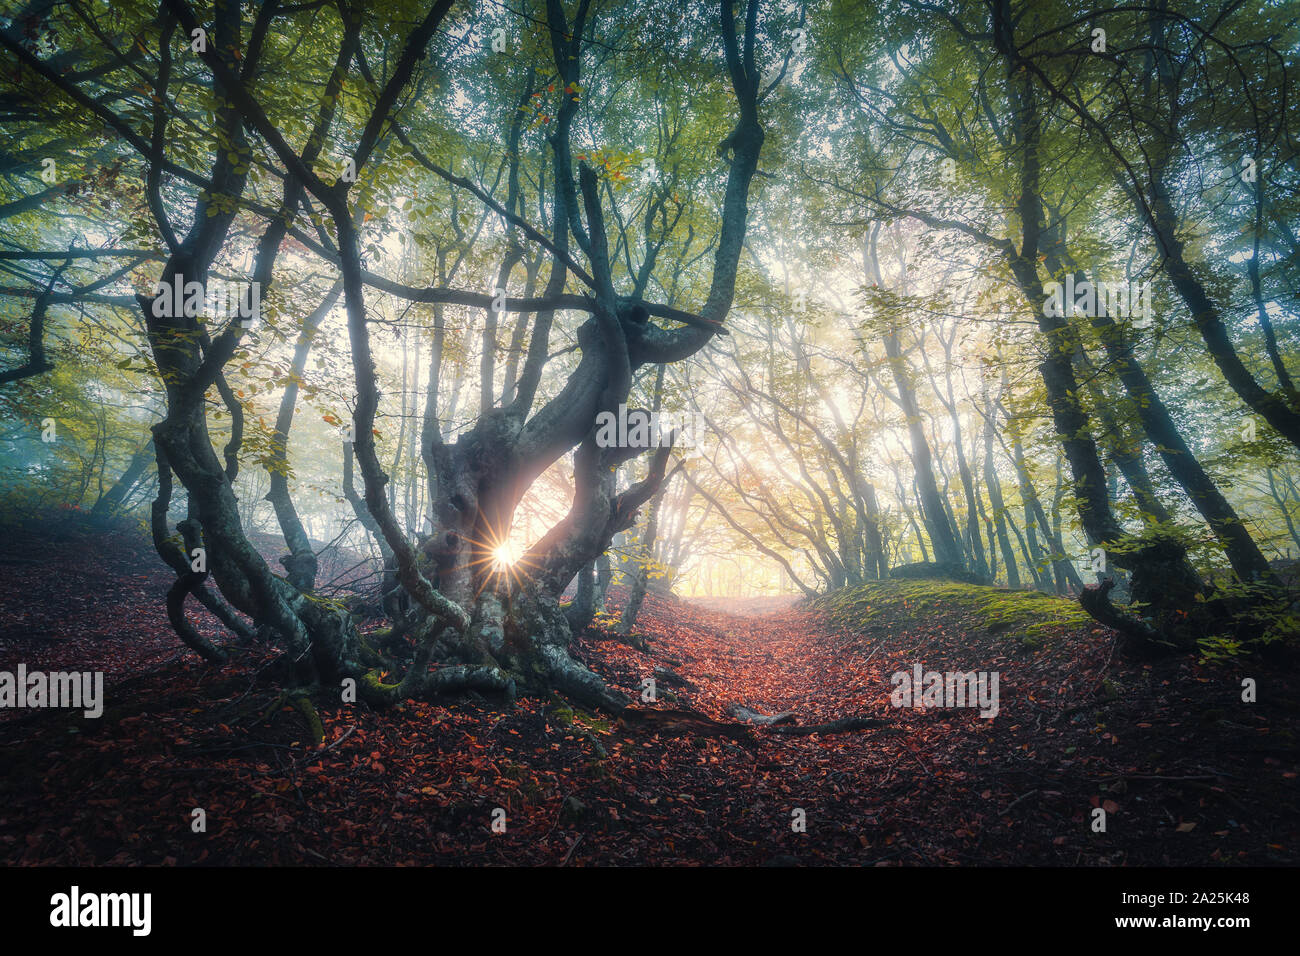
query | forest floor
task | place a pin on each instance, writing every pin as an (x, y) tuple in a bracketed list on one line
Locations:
[(1187, 773)]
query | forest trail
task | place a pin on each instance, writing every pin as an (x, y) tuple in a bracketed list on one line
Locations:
[(779, 654), (1188, 774), (776, 658), (1167, 749)]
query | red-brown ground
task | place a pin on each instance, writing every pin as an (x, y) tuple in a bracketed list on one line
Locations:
[(1189, 775)]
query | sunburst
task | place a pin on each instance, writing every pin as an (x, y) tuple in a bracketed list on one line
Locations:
[(505, 562), (505, 557)]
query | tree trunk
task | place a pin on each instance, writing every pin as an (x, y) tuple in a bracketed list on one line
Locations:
[(935, 516), (996, 502), (110, 503)]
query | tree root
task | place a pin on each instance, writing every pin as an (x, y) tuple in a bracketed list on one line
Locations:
[(393, 638), (786, 722), (444, 681), (578, 682), (844, 725), (681, 723), (1095, 599), (300, 700), (302, 703), (677, 723), (451, 680), (671, 678), (180, 623), (750, 716), (225, 614)]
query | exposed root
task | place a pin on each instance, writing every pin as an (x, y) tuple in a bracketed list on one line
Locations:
[(671, 678), (844, 725), (750, 716), (379, 694), (681, 723), (300, 700), (180, 623), (1095, 599), (224, 613), (786, 722), (451, 680), (684, 722), (576, 681), (302, 703), (444, 681)]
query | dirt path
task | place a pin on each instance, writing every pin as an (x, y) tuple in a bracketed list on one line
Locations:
[(1168, 751), (782, 660)]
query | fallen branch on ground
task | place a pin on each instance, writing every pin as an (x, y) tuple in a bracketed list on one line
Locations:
[(682, 722), (786, 722), (751, 716), (671, 678), (842, 726)]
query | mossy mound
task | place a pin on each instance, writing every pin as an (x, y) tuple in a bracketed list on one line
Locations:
[(971, 605)]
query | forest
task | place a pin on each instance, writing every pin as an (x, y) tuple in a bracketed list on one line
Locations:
[(599, 432)]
